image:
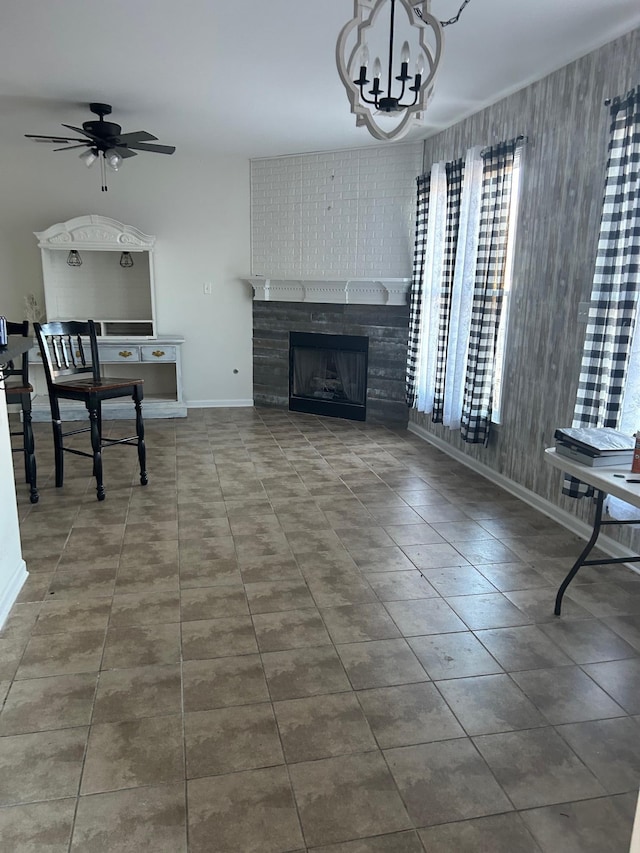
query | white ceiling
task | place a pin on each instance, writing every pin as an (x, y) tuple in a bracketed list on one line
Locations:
[(258, 77)]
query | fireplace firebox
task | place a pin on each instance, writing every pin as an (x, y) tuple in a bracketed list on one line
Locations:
[(328, 375)]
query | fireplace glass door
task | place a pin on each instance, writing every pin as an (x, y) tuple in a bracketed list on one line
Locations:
[(328, 374)]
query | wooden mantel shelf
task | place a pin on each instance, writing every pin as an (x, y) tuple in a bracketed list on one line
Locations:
[(356, 291)]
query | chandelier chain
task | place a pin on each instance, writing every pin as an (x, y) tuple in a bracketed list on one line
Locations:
[(453, 20)]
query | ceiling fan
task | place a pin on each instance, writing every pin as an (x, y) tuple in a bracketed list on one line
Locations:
[(104, 141)]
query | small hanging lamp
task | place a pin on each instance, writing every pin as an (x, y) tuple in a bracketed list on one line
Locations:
[(74, 259), (126, 260)]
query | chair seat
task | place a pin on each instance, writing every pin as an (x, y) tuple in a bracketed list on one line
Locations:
[(89, 385), (18, 389)]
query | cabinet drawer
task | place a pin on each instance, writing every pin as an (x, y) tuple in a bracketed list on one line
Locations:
[(121, 353), (157, 352)]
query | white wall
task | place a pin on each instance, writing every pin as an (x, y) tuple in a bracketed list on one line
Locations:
[(199, 210), (336, 214)]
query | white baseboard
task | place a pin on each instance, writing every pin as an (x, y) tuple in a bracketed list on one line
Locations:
[(219, 404), (575, 525), (10, 592)]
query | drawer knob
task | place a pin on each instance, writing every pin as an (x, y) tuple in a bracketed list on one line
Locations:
[(158, 353), (125, 353), (77, 353)]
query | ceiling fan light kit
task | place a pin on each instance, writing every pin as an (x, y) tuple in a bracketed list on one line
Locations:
[(390, 90), (104, 141)]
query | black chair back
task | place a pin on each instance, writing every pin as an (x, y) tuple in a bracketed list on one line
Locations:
[(64, 349), (11, 370)]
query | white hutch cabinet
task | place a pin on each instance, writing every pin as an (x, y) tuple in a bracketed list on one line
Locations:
[(121, 300)]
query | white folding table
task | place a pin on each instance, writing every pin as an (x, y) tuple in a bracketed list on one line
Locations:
[(615, 480)]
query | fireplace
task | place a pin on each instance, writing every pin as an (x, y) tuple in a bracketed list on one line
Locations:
[(328, 375), (375, 310)]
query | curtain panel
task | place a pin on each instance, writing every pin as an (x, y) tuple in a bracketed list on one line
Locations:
[(489, 290), (459, 266), (614, 295), (415, 313)]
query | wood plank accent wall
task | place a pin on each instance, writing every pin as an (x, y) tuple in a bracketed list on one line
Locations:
[(567, 125)]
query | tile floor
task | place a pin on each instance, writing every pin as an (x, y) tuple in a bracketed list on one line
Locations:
[(309, 634)]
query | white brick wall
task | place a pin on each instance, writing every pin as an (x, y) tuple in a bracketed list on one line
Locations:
[(335, 214)]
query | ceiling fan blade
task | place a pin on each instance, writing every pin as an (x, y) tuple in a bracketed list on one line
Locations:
[(123, 151), (71, 147), (53, 139), (137, 136), (158, 149), (83, 132)]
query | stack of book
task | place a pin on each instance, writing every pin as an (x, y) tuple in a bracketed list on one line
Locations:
[(595, 447)]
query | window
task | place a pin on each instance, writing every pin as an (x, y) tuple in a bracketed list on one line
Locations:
[(465, 234)]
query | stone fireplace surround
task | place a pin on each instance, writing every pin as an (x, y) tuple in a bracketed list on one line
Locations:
[(377, 309)]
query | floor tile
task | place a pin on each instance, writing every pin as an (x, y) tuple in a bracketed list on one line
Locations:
[(336, 591), (296, 673), (212, 638), (445, 781), (588, 640), (382, 560), (357, 623), (151, 577), (221, 682), (486, 704), (41, 765), (424, 616), (347, 797), (408, 714), (380, 663), (591, 826), (401, 586), (434, 556), (145, 609), (142, 645), (537, 768), (627, 627), (81, 584), (488, 611), (226, 740), (458, 580), (213, 602), (57, 702), (539, 604), (419, 533), (396, 842), (61, 654), (453, 655), (525, 647), (566, 695), (132, 820), (141, 691), (505, 833), (252, 812), (37, 826), (610, 749), (133, 753), (512, 576), (621, 680), (273, 596), (290, 629), (323, 726)]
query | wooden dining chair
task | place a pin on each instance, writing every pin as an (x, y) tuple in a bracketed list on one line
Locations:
[(72, 370), (18, 392)]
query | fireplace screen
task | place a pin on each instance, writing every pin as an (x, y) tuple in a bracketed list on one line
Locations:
[(328, 374)]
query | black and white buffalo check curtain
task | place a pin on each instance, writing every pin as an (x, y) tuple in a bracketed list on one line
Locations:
[(614, 296), (431, 286)]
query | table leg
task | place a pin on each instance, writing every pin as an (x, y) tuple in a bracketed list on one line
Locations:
[(585, 553)]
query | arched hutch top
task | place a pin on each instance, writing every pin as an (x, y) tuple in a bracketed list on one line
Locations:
[(117, 291), (114, 285)]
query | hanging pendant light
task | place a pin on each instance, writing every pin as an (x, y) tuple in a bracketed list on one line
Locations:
[(126, 260), (74, 259), (395, 32)]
